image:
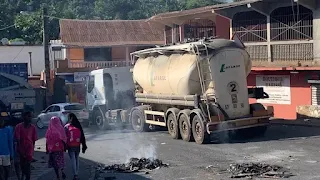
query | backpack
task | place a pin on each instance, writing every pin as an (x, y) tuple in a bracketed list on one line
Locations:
[(74, 136)]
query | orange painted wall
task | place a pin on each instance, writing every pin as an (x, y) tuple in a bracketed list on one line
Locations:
[(222, 27), (76, 54), (118, 53), (300, 92)]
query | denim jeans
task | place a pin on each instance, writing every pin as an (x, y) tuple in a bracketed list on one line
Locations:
[(74, 157)]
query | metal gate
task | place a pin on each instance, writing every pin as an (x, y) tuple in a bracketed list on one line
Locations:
[(315, 94)]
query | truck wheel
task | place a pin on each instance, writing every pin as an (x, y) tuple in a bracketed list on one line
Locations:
[(138, 121), (173, 128), (185, 129), (199, 132), (99, 120)]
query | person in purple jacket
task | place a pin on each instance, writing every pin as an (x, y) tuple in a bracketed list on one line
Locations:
[(6, 150)]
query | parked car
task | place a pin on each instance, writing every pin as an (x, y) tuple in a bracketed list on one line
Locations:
[(62, 110)]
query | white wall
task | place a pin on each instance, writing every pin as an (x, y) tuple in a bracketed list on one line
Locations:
[(20, 54)]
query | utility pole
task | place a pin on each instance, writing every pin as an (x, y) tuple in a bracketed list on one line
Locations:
[(46, 49), (30, 62)]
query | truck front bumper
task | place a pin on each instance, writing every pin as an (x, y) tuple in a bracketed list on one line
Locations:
[(242, 123)]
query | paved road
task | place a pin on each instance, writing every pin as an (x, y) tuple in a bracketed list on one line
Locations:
[(293, 147)]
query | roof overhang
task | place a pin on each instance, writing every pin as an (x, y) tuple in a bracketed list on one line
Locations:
[(208, 12), (227, 10)]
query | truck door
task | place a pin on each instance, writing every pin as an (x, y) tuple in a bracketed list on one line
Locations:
[(90, 98), (108, 90)]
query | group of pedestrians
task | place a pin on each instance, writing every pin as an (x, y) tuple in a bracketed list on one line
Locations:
[(61, 139), (18, 142), (17, 147)]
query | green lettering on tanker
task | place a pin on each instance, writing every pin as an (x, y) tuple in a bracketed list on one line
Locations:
[(222, 68)]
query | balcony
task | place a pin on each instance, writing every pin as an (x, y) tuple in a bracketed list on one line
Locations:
[(98, 64)]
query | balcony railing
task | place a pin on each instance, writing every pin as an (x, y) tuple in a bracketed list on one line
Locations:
[(98, 64)]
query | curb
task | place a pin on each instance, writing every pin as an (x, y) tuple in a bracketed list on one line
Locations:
[(298, 122)]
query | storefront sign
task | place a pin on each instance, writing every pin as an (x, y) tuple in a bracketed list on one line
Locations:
[(277, 87), (80, 76)]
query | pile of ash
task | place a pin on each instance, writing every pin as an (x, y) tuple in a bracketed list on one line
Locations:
[(135, 165), (249, 170)]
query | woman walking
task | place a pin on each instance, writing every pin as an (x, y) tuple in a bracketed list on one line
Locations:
[(75, 138), (56, 140)]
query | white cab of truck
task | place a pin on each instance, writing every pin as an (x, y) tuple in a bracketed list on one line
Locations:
[(107, 90)]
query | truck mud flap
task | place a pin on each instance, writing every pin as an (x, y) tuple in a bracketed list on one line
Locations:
[(238, 124)]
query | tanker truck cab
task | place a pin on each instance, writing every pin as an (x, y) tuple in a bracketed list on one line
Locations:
[(109, 96), (196, 89)]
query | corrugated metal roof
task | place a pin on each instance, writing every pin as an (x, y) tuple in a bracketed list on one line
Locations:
[(109, 32), (201, 9)]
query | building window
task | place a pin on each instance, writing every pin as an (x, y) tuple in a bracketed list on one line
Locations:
[(288, 23), (98, 54), (168, 32), (250, 26), (200, 28)]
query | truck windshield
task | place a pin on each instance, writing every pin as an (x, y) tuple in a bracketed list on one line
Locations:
[(74, 107)]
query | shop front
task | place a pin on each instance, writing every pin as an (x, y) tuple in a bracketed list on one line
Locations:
[(75, 86), (291, 92)]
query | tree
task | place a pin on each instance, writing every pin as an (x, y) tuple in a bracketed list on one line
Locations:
[(29, 25)]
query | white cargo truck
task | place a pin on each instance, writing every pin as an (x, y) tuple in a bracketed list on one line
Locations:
[(109, 92), (194, 89)]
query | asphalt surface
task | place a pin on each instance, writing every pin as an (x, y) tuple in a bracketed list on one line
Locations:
[(293, 147)]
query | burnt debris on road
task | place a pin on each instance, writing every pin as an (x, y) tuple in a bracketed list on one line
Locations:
[(248, 170), (135, 165)]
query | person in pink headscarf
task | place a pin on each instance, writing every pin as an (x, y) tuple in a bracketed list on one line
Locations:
[(56, 140)]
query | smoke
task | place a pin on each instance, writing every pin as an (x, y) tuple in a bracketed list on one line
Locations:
[(127, 144)]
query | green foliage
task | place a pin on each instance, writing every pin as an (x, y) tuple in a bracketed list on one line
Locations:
[(27, 14)]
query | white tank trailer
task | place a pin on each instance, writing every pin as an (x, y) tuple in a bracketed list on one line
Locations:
[(194, 89), (197, 88)]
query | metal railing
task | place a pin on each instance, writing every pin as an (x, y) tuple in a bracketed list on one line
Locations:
[(97, 64)]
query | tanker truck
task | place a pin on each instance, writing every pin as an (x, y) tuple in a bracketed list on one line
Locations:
[(197, 88), (193, 89)]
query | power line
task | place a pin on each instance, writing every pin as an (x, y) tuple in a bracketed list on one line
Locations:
[(7, 27)]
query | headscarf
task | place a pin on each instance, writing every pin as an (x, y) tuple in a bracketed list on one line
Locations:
[(55, 130)]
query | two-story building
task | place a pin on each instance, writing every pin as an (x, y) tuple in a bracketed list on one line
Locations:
[(86, 45), (282, 38)]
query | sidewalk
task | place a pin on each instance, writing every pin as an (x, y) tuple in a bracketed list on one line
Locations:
[(298, 122), (86, 171), (42, 172), (40, 167)]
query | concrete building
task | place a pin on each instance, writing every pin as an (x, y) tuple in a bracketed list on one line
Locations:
[(283, 39)]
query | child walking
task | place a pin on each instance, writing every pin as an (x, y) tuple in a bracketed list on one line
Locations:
[(6, 150), (75, 137), (25, 135), (56, 140)]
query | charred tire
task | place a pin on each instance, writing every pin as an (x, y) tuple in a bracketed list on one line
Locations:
[(173, 127), (199, 132), (185, 128), (138, 121), (99, 120)]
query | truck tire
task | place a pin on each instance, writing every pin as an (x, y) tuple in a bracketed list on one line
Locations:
[(199, 132), (99, 120), (185, 128), (138, 121), (173, 127)]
